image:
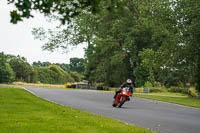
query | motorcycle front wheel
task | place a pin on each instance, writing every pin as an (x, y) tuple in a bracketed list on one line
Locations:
[(122, 102)]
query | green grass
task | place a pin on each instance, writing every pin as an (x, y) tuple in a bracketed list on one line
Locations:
[(177, 98), (22, 112), (48, 86)]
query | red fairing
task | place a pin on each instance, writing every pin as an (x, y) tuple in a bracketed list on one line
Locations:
[(124, 94)]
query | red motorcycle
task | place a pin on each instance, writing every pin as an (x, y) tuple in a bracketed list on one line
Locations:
[(122, 97)]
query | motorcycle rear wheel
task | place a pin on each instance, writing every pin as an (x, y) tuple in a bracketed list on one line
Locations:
[(114, 105)]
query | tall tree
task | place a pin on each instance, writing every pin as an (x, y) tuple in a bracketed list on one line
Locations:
[(76, 65), (144, 40), (116, 37), (6, 73), (188, 12), (21, 68)]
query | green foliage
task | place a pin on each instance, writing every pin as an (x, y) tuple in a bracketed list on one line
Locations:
[(155, 41), (15, 17), (192, 92), (141, 75), (148, 84), (77, 65), (44, 75), (33, 76), (173, 98), (53, 74), (188, 17), (65, 67), (148, 63), (76, 76), (157, 84), (157, 89), (65, 10), (57, 74), (43, 72), (117, 47), (6, 73), (178, 90), (21, 68), (38, 64), (60, 73)]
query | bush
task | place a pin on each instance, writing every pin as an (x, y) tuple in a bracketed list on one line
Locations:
[(106, 88), (138, 90), (157, 87), (68, 78), (76, 76), (60, 76), (154, 89), (148, 84), (53, 75), (6, 73), (178, 90), (34, 76), (44, 75), (157, 84), (192, 92), (21, 68)]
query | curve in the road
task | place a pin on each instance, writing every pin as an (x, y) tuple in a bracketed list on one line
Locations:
[(159, 116)]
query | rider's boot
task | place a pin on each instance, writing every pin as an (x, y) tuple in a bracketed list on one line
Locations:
[(115, 95)]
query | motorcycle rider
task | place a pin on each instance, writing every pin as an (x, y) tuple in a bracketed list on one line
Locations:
[(128, 84)]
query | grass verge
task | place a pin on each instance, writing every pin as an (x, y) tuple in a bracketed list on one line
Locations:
[(176, 98), (22, 112)]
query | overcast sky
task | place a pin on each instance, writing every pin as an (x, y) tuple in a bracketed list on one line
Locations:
[(18, 40)]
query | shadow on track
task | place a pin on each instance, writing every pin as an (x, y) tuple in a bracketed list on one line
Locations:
[(125, 107)]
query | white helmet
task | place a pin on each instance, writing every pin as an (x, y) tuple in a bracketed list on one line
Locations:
[(129, 81)]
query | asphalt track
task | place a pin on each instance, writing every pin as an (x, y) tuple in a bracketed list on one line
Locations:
[(158, 116)]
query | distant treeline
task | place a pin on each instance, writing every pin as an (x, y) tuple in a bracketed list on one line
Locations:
[(16, 68)]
